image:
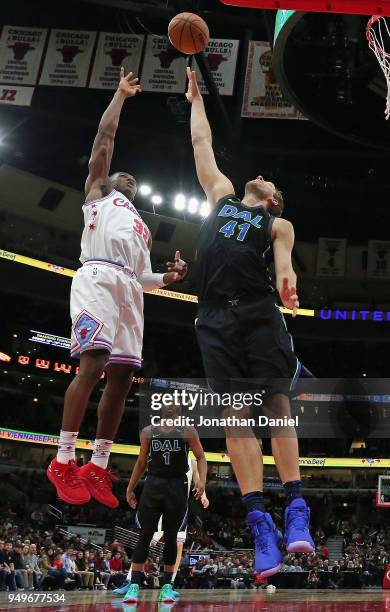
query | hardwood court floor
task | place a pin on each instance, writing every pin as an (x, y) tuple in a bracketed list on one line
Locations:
[(302, 600)]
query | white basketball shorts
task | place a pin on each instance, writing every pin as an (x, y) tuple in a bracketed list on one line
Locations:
[(106, 307)]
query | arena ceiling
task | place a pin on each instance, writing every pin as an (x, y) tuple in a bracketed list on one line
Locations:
[(332, 187)]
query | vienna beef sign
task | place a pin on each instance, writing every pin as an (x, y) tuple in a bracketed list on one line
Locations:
[(114, 51), (263, 97), (221, 56), (164, 68), (20, 54), (68, 58)]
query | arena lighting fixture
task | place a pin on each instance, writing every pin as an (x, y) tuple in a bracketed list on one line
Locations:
[(193, 205), (204, 210), (180, 202), (156, 199), (145, 190)]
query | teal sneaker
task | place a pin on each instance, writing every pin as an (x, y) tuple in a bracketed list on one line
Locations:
[(132, 594), (167, 594), (122, 590)]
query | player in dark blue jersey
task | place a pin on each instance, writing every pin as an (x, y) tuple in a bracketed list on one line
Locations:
[(164, 454), (242, 334)]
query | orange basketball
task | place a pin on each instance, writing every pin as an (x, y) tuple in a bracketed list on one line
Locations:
[(188, 33)]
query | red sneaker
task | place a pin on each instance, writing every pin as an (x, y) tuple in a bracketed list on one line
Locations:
[(99, 483), (65, 477)]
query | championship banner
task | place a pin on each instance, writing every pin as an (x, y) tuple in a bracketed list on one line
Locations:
[(114, 51), (331, 257), (164, 68), (221, 56), (68, 58), (378, 262), (14, 94), (20, 54), (263, 96)]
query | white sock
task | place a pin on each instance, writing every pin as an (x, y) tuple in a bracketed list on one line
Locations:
[(66, 446), (101, 453), (129, 575)]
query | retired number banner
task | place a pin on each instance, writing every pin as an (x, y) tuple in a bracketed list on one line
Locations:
[(13, 94), (20, 54), (378, 263), (221, 56), (331, 256), (263, 96), (68, 58), (114, 51), (164, 68)]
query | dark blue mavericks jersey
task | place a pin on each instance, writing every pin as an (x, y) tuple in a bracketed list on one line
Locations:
[(230, 252)]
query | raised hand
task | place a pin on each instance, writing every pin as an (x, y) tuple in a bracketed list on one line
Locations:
[(193, 88), (177, 269), (128, 85), (289, 297)]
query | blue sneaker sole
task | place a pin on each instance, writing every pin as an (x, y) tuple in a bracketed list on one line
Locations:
[(301, 546)]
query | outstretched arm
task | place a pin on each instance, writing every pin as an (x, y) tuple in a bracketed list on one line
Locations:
[(214, 183), (286, 279), (177, 270), (103, 146)]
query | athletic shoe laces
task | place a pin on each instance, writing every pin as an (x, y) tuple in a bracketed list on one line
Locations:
[(71, 476), (299, 516), (106, 479), (262, 531)]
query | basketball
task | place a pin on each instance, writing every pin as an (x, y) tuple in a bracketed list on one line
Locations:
[(188, 33)]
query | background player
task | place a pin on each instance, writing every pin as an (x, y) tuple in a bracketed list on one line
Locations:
[(164, 453), (106, 310), (192, 476), (242, 333)]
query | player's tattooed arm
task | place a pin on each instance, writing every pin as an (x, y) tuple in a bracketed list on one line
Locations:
[(286, 279), (103, 146), (214, 183), (139, 468), (193, 441)]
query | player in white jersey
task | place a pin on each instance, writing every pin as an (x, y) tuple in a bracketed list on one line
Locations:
[(106, 310)]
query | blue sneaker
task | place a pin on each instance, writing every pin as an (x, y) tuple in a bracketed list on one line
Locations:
[(132, 594), (296, 527), (167, 594), (268, 558), (122, 590)]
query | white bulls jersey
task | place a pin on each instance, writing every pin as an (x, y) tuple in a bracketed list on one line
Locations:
[(106, 302), (115, 232)]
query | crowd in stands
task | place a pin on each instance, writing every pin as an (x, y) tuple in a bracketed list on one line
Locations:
[(33, 556)]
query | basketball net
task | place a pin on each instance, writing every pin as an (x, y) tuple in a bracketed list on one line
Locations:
[(378, 36)]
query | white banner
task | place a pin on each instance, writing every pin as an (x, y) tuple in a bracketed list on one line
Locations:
[(11, 94), (378, 262), (114, 51), (331, 256), (263, 97), (221, 56), (68, 58), (95, 534), (164, 69), (20, 54)]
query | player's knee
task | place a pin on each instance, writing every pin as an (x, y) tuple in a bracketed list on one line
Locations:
[(119, 379), (92, 365)]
